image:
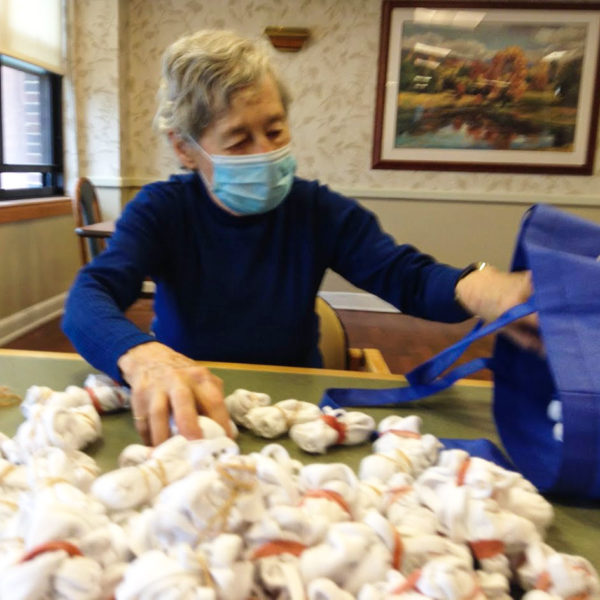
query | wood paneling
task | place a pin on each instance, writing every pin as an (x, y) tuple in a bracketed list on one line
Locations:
[(24, 210)]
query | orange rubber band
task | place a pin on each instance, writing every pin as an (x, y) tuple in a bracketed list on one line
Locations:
[(337, 425), (276, 547), (53, 546), (483, 549), (409, 584), (398, 552), (94, 400), (404, 433), (328, 495), (462, 471)]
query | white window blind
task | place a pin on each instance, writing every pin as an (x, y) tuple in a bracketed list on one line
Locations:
[(31, 30)]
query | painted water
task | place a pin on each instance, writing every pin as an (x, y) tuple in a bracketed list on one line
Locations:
[(476, 129)]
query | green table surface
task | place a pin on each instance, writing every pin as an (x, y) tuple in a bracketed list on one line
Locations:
[(463, 411)]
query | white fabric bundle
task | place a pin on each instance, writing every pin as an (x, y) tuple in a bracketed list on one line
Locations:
[(400, 439), (209, 427), (38, 395), (98, 391), (381, 466), (448, 578), (322, 588), (280, 576), (329, 490), (403, 508), (278, 484), (12, 477), (54, 575), (12, 549), (466, 503), (241, 401), (395, 585), (559, 574), (198, 520), (155, 575), (351, 555), (58, 512), (107, 393), (226, 498), (66, 428), (281, 456), (276, 419), (50, 464), (494, 586), (231, 574), (205, 453), (539, 595), (485, 479), (136, 485), (333, 427), (287, 524)]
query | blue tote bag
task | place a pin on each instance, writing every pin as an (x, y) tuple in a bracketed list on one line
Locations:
[(563, 253)]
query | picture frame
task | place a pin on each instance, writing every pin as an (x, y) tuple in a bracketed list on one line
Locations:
[(496, 86)]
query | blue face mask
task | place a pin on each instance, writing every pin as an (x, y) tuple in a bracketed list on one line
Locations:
[(251, 184)]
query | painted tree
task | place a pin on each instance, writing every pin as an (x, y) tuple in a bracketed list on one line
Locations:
[(539, 76), (507, 74)]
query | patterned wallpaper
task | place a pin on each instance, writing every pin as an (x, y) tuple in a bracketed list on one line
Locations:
[(332, 81), (93, 83)]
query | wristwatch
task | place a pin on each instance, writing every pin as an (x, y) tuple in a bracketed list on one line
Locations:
[(476, 266)]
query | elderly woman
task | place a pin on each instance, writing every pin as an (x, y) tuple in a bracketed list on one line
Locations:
[(238, 248)]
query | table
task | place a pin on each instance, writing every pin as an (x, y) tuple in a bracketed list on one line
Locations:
[(462, 411), (102, 229)]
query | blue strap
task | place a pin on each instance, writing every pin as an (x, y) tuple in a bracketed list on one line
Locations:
[(432, 368), (425, 379)]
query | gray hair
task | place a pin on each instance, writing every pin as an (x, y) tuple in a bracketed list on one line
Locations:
[(200, 74)]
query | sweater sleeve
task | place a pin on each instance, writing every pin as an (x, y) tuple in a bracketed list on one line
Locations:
[(369, 258), (94, 317)]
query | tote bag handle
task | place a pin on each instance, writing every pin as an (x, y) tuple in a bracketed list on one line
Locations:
[(427, 378)]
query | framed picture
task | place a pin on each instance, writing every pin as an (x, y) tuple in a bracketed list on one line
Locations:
[(488, 86)]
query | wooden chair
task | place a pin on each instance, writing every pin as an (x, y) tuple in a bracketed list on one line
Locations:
[(333, 344), (86, 211)]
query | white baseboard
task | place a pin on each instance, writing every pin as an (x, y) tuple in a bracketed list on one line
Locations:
[(29, 318), (357, 301)]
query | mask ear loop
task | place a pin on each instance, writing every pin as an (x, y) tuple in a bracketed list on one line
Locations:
[(207, 184)]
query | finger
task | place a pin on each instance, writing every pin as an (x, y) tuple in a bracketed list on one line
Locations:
[(139, 412), (159, 418), (210, 401), (142, 425), (185, 413)]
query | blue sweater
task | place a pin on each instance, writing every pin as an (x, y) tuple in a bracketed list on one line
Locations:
[(242, 289)]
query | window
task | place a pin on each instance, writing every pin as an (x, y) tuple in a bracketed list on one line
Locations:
[(30, 131)]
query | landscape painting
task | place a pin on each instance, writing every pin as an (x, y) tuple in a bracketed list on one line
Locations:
[(487, 88)]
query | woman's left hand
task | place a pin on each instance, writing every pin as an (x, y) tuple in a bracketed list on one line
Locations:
[(488, 293)]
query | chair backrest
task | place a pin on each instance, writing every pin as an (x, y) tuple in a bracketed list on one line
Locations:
[(86, 210), (333, 340)]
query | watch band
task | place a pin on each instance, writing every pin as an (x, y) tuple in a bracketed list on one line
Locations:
[(476, 266)]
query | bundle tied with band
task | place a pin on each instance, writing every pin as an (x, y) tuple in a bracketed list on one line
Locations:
[(562, 252)]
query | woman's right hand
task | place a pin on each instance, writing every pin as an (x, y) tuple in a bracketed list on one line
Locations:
[(164, 383)]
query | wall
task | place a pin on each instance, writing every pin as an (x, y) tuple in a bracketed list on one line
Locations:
[(39, 260)]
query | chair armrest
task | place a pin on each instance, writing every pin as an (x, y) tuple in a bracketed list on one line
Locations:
[(367, 359)]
